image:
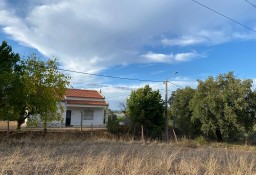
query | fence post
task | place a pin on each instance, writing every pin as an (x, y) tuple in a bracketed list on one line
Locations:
[(81, 122), (142, 134), (8, 127), (91, 129)]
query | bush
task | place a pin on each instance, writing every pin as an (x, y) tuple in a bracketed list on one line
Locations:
[(200, 140), (113, 124), (32, 122)]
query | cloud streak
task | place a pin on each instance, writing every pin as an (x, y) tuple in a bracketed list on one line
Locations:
[(207, 38), (170, 58)]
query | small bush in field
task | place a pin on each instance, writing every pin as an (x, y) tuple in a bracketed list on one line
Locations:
[(201, 140)]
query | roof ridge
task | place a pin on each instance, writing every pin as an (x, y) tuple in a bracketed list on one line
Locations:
[(81, 89), (84, 93)]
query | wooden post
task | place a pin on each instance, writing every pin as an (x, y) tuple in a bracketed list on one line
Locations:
[(166, 111), (81, 122), (8, 127), (142, 134), (91, 129)]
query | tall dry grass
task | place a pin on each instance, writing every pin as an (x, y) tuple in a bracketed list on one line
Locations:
[(65, 153)]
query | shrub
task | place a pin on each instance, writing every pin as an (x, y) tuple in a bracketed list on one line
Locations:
[(113, 124)]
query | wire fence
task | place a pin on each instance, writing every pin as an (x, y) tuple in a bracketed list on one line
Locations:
[(141, 133), (119, 132)]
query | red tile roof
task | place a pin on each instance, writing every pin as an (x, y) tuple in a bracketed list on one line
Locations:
[(87, 102), (80, 93)]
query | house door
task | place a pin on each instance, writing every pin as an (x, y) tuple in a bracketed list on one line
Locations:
[(68, 117)]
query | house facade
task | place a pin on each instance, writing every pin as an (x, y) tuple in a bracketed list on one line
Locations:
[(86, 107)]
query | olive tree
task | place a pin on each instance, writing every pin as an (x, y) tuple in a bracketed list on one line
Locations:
[(181, 114), (224, 105)]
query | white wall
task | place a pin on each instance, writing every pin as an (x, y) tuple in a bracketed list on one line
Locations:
[(98, 117)]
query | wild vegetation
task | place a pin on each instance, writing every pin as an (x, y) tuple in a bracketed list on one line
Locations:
[(30, 86), (223, 108), (78, 153), (146, 108)]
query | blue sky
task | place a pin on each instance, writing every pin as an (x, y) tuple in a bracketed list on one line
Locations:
[(137, 39)]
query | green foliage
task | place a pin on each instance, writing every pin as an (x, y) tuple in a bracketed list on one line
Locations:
[(145, 107), (224, 105), (181, 114), (10, 96), (44, 87), (113, 124), (30, 84), (201, 140), (32, 122)]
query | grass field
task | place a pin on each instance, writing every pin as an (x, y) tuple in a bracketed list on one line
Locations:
[(77, 153)]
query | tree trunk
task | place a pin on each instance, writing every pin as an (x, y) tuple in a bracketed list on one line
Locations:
[(20, 121), (45, 130), (142, 134), (219, 135), (8, 127), (175, 136)]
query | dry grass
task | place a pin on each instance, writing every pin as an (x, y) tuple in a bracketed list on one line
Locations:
[(12, 125), (74, 153)]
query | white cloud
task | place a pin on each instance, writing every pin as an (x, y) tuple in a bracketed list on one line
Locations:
[(170, 58), (204, 37), (157, 72), (184, 41)]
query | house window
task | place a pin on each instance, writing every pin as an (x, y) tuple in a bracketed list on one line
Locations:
[(88, 115)]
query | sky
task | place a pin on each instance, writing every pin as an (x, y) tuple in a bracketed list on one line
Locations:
[(135, 39)]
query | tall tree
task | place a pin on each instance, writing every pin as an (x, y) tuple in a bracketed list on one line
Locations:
[(145, 107), (224, 105), (10, 82), (44, 87), (181, 114)]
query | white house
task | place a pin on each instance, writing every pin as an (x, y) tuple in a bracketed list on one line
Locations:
[(88, 105)]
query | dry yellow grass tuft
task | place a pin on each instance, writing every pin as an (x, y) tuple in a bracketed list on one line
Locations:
[(66, 153)]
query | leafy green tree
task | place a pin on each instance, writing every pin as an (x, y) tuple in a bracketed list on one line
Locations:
[(10, 96), (225, 105), (44, 87), (145, 107), (181, 114), (30, 86)]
